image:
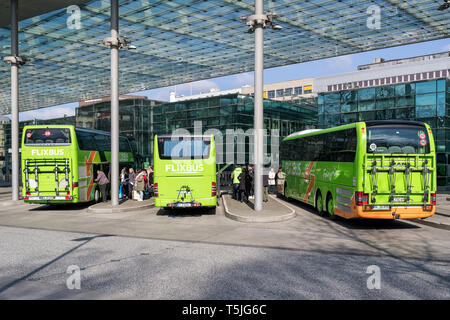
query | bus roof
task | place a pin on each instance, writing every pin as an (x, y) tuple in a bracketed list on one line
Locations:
[(180, 135), (372, 123), (70, 126), (299, 133), (369, 123)]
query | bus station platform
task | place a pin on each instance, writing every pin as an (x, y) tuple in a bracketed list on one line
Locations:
[(124, 206), (273, 211)]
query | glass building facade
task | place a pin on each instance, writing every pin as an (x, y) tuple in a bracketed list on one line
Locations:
[(427, 101), (135, 121), (235, 112)]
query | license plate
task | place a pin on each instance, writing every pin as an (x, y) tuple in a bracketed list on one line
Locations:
[(381, 207), (184, 205), (399, 200)]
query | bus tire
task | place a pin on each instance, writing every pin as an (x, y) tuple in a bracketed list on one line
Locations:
[(319, 203), (96, 195), (330, 206)]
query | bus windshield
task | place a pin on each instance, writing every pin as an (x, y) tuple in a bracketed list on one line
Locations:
[(184, 148), (398, 139), (47, 136)]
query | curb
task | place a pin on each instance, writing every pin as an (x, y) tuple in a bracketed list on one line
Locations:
[(432, 224), (257, 219), (91, 209)]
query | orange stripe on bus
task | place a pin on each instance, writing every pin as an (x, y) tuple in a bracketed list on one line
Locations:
[(310, 188)]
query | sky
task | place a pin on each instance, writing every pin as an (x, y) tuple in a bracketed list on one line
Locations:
[(310, 69)]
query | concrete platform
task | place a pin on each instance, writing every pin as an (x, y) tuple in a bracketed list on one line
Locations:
[(273, 211), (124, 206)]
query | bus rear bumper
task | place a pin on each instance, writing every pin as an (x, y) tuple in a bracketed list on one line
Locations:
[(396, 213), (170, 203)]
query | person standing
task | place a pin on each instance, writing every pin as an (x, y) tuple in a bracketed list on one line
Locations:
[(103, 181), (243, 185), (124, 183), (271, 181), (281, 176), (131, 183), (251, 179), (236, 182), (140, 184), (265, 187)]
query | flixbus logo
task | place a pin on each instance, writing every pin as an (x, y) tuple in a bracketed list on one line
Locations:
[(47, 152), (184, 168)]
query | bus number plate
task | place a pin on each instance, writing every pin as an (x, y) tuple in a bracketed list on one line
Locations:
[(399, 200), (184, 205), (381, 207)]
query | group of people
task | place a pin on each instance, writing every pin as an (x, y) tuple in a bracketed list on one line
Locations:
[(133, 185), (243, 183)]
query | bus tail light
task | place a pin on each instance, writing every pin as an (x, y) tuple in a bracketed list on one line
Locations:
[(361, 198), (25, 198), (433, 199), (213, 189), (155, 190), (74, 185)]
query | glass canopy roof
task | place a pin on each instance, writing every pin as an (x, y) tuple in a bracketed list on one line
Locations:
[(180, 41)]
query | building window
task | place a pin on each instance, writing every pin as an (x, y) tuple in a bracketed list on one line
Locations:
[(280, 93), (299, 90), (288, 92), (271, 94)]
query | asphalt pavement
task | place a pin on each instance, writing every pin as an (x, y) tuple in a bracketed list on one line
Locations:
[(34, 265)]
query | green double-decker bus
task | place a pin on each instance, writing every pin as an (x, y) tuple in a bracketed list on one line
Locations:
[(185, 171), (374, 169), (60, 162)]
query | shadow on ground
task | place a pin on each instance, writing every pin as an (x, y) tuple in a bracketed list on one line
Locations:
[(359, 224), (185, 212)]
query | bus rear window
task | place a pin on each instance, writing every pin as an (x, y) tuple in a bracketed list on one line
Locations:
[(184, 148), (398, 139), (47, 136)]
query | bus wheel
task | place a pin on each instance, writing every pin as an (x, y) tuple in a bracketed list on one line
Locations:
[(319, 203), (97, 195), (330, 207)]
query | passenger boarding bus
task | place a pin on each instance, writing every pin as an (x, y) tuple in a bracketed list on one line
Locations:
[(373, 169), (185, 171), (60, 163)]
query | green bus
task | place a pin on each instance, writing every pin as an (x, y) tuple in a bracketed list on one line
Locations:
[(60, 162), (374, 169), (185, 171)]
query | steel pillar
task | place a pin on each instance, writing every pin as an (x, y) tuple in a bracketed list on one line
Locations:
[(114, 168), (14, 100), (258, 107)]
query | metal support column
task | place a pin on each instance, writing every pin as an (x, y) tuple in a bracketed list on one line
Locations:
[(114, 168), (14, 61), (257, 23), (258, 107)]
